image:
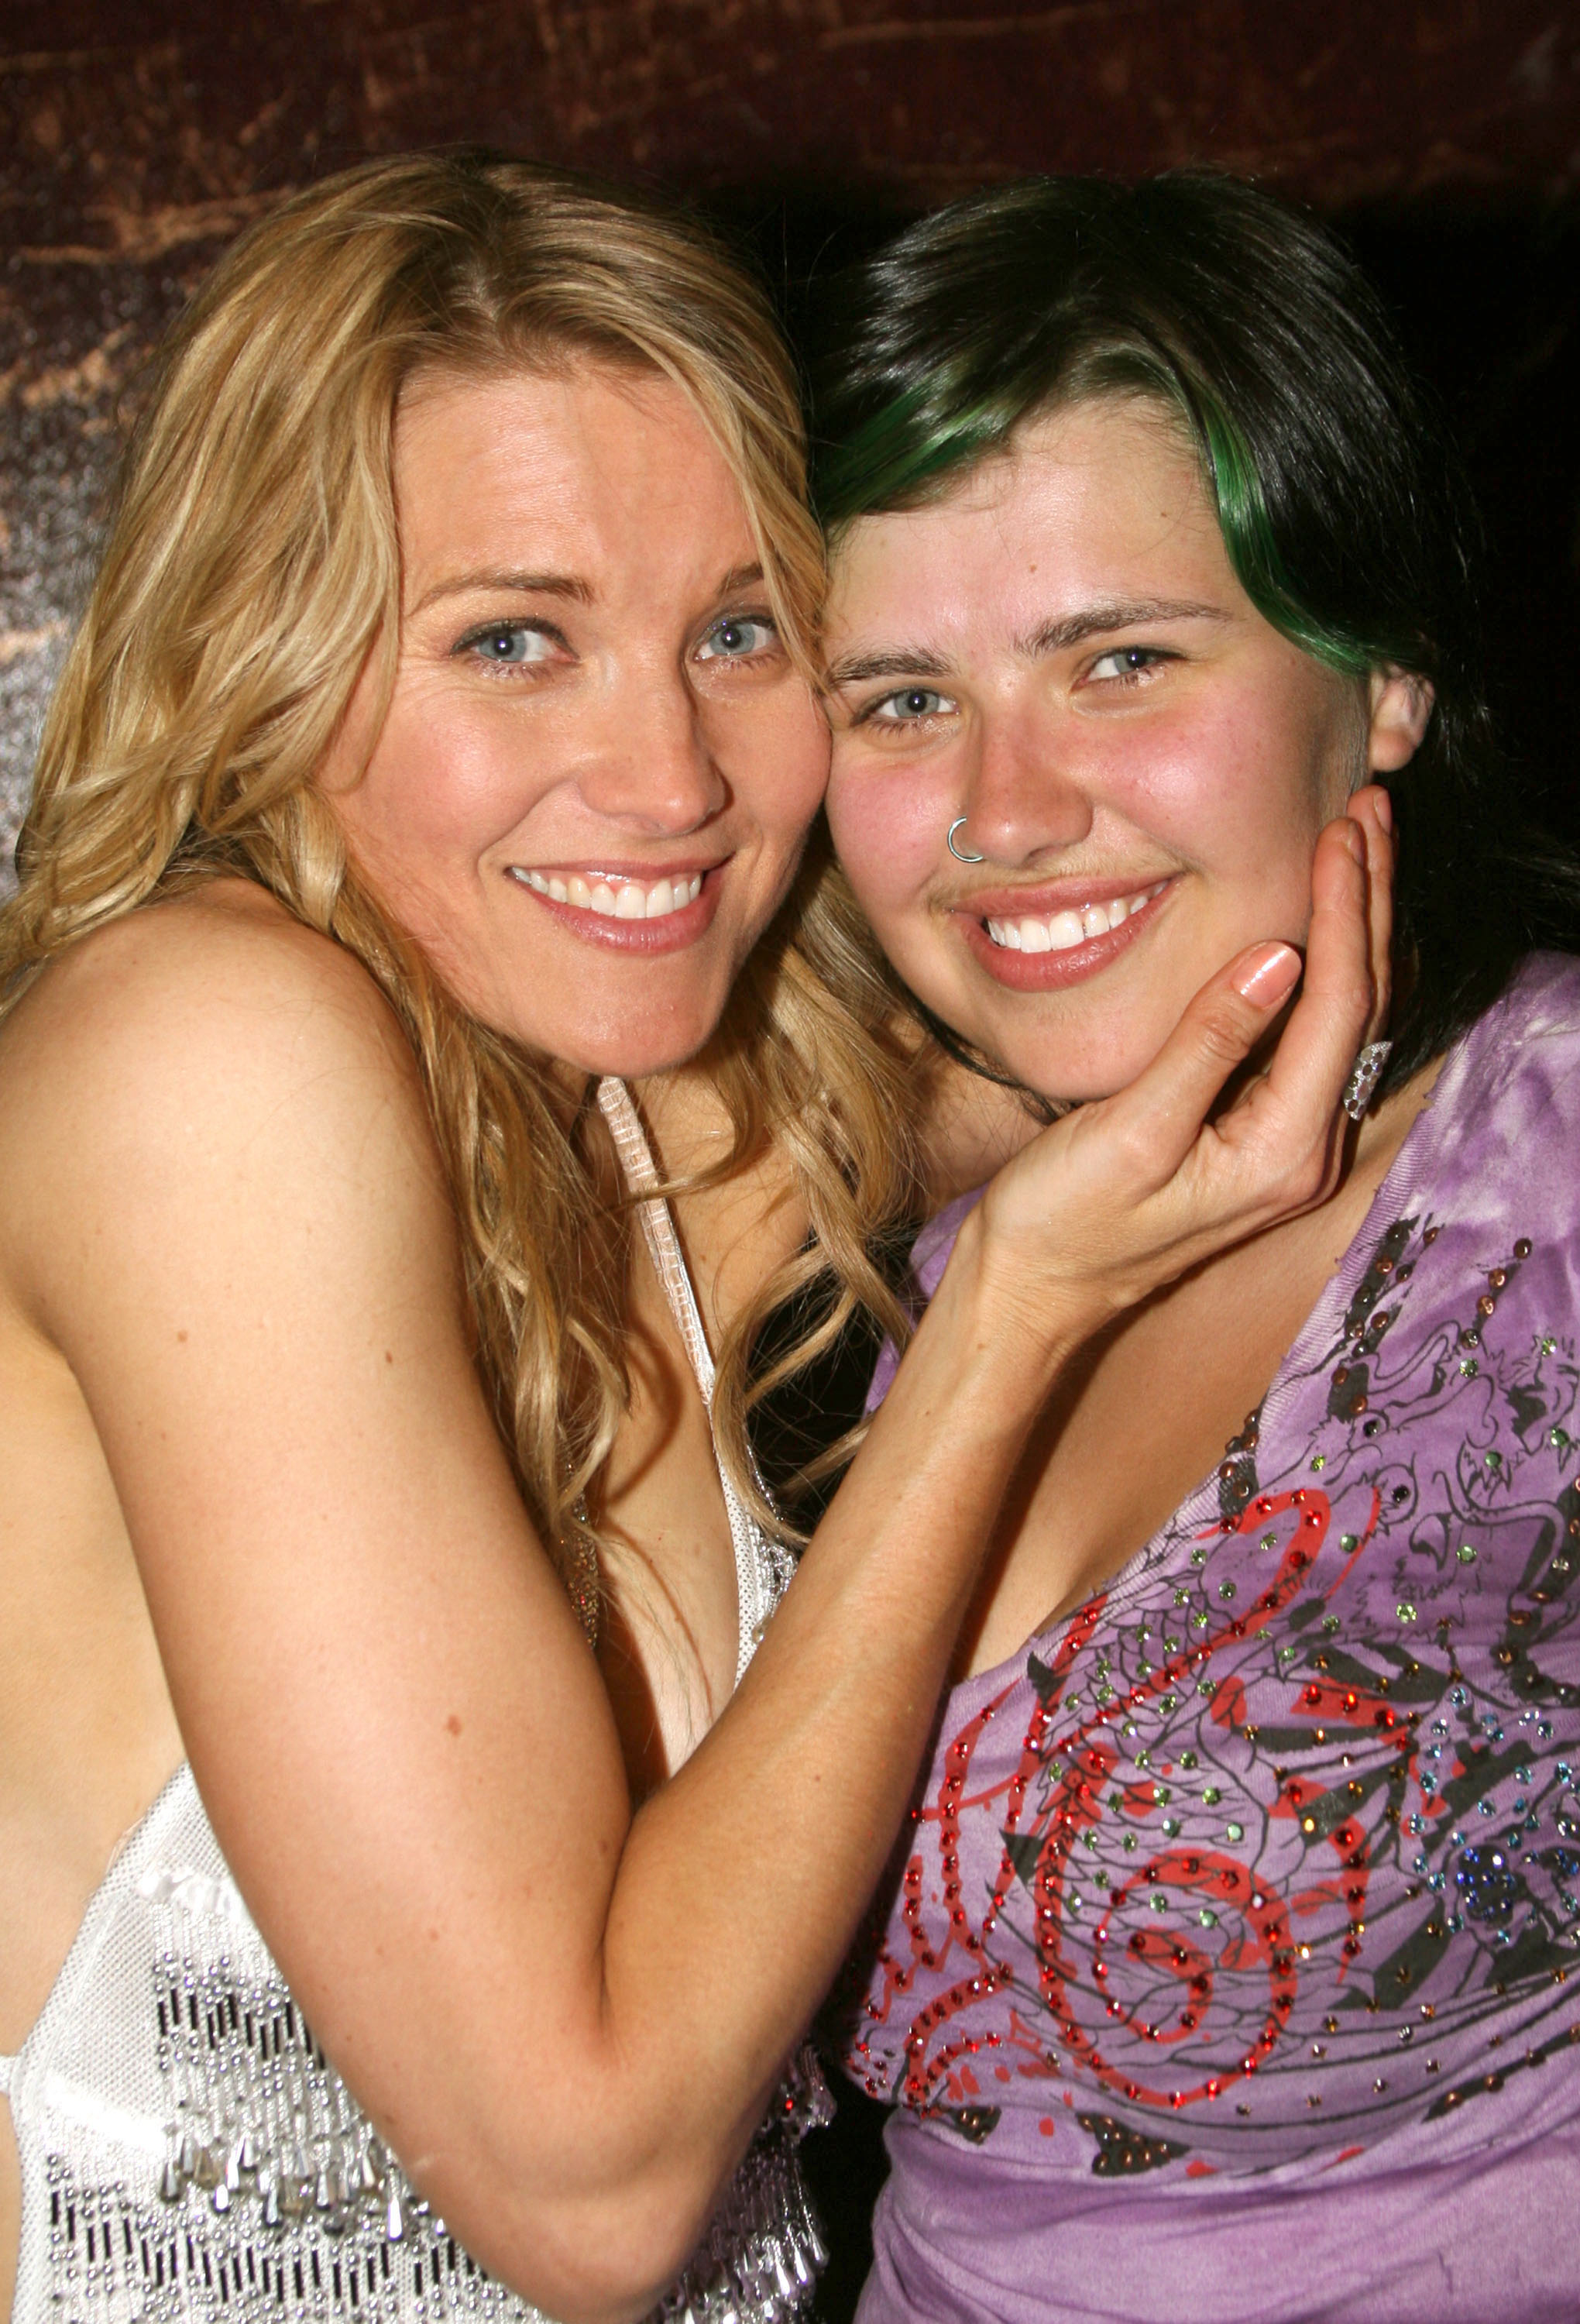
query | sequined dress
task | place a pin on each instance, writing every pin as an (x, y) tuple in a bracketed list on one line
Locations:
[(1230, 1968), (188, 2152)]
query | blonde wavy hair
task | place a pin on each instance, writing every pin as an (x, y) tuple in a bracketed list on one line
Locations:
[(252, 569)]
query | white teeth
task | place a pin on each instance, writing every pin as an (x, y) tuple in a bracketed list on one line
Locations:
[(632, 899), (1063, 930)]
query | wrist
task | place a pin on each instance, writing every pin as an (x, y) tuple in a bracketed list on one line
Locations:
[(1006, 1338)]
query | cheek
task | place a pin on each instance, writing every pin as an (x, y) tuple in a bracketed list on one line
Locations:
[(887, 834), (788, 759), (1235, 788), (774, 754), (442, 784)]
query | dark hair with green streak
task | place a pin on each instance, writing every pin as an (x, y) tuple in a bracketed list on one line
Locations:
[(1342, 510)]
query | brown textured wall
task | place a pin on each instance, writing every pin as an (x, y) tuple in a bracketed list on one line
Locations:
[(134, 140)]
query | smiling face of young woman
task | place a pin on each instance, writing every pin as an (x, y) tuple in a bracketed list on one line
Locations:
[(595, 775), (1059, 652)]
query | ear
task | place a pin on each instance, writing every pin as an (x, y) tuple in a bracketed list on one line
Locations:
[(1400, 707)]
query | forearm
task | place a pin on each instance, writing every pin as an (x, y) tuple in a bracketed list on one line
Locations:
[(836, 1708), (741, 1883)]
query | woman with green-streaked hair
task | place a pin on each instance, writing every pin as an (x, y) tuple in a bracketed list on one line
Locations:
[(1233, 1970)]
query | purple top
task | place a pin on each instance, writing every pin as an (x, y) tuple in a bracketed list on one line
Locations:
[(1232, 1963)]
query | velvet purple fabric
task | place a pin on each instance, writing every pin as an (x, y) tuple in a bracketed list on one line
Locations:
[(1230, 1968)]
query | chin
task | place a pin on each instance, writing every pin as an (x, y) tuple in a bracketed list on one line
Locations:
[(635, 1052), (1078, 1053), (1070, 1077)]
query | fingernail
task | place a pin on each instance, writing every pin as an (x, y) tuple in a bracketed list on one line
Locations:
[(1384, 809), (1269, 976)]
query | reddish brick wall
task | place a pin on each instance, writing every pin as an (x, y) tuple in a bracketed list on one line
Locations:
[(135, 139)]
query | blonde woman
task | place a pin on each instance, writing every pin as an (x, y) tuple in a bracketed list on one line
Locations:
[(435, 752)]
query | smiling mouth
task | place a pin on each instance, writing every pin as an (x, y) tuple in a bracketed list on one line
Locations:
[(1062, 931), (615, 896)]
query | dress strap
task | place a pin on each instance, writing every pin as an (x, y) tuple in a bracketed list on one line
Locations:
[(762, 1570), (636, 1167), (7, 2068)]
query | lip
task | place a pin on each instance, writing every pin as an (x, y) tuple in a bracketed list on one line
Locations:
[(672, 933), (1047, 972)]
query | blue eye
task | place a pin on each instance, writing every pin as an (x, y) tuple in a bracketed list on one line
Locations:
[(509, 645), (1123, 662), (737, 637), (912, 702)]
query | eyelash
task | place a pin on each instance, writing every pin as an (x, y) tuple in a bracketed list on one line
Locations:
[(1142, 659), (487, 631), (869, 716), (753, 620), (496, 664)]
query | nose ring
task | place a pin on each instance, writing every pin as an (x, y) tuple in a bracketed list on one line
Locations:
[(960, 853)]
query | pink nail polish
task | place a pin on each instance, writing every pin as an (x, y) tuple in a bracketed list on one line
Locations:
[(1269, 977)]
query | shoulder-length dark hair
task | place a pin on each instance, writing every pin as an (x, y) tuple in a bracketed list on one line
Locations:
[(1343, 509)]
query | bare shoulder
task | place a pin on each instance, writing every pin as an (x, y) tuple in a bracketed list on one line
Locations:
[(201, 1038), (222, 961)]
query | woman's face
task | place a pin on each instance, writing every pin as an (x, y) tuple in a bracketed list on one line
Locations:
[(1059, 651), (591, 791)]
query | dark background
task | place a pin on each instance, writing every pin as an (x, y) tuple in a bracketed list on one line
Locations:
[(1441, 136)]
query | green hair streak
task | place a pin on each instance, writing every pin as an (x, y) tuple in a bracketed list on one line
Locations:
[(921, 438), (1253, 550), (897, 452)]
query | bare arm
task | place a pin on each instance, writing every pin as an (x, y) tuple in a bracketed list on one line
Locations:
[(567, 2022)]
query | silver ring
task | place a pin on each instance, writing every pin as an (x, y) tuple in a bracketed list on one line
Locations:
[(959, 853), (1364, 1075)]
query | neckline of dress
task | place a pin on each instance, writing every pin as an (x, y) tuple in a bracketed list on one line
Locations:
[(1419, 1149), (760, 1570)]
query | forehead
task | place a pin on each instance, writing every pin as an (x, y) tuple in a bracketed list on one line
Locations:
[(584, 456), (1102, 501)]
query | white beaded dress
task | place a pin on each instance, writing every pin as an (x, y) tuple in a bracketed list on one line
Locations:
[(189, 2155)]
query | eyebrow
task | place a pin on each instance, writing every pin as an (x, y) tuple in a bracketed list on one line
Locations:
[(1122, 613), (885, 661), (516, 585), (741, 577), (505, 582), (1053, 637)]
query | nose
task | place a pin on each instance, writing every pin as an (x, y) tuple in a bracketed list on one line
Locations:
[(1024, 796), (649, 765)]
